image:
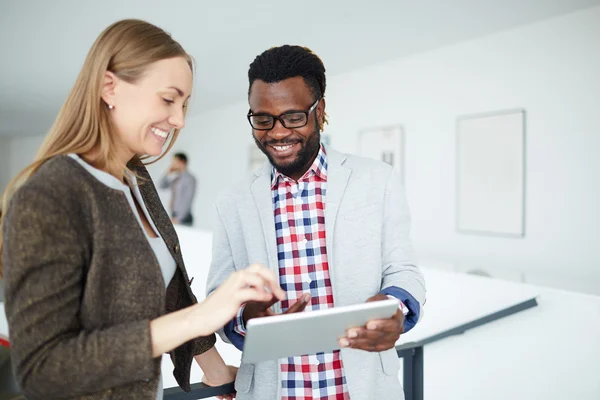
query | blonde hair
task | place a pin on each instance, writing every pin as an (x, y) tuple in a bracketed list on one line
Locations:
[(126, 48)]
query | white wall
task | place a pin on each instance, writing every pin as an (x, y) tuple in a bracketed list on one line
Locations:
[(548, 68), (16, 152)]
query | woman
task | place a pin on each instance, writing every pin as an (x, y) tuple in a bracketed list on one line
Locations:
[(95, 286)]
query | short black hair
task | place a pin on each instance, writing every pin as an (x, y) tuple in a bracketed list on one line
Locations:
[(182, 157), (284, 62)]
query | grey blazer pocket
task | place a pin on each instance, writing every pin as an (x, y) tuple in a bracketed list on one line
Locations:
[(390, 362), (243, 380)]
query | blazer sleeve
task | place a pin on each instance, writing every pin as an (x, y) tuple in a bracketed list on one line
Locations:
[(202, 344), (399, 267), (221, 266), (44, 259)]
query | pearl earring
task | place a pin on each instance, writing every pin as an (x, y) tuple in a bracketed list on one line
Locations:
[(110, 106)]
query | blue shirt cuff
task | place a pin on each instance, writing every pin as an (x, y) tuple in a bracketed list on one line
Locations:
[(410, 320), (235, 338)]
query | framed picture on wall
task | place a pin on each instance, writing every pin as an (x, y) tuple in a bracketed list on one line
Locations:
[(384, 144), (490, 173)]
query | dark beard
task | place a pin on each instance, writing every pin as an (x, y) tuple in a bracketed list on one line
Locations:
[(303, 160)]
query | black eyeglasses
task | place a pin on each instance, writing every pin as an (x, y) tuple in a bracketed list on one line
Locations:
[(290, 119)]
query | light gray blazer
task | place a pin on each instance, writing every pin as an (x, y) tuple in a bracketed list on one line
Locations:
[(368, 249)]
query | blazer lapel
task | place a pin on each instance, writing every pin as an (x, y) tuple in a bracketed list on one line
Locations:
[(261, 191), (337, 180), (156, 210)]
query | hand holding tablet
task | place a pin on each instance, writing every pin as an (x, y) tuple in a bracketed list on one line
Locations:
[(309, 332), (376, 335)]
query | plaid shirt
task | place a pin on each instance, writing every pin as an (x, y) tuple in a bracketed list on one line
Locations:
[(302, 254), (299, 209)]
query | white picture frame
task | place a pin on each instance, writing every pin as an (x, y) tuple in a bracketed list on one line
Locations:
[(490, 173), (385, 144)]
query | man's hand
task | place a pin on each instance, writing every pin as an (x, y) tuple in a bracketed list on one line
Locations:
[(255, 309), (376, 335)]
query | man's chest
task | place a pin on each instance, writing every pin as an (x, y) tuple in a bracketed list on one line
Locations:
[(299, 211)]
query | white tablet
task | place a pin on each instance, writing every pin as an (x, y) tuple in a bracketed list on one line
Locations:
[(308, 332)]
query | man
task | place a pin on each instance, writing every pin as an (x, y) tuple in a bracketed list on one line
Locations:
[(183, 189), (334, 227)]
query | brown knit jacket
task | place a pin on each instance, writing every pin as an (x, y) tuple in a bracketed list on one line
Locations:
[(82, 284)]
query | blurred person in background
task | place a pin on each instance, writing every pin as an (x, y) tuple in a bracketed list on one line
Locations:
[(183, 189)]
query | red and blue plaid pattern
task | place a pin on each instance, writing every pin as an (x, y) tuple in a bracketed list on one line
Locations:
[(299, 209)]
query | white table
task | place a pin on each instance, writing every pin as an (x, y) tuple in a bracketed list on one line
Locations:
[(455, 300), (456, 303)]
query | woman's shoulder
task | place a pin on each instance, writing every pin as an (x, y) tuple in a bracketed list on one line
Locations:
[(57, 174), (59, 180), (53, 189)]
